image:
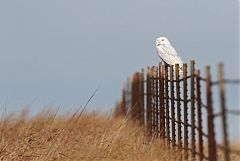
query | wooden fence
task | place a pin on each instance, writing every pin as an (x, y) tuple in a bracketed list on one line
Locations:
[(170, 106)]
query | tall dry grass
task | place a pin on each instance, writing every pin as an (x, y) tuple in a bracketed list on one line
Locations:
[(89, 137)]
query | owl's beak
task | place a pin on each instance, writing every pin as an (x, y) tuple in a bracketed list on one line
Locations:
[(158, 44)]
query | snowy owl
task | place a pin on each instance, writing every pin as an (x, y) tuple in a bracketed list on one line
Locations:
[(167, 53)]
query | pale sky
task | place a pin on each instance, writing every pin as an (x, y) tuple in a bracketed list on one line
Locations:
[(56, 52)]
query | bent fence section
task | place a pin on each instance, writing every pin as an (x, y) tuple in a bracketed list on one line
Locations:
[(170, 105)]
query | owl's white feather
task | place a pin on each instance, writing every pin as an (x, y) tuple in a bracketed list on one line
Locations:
[(167, 53)]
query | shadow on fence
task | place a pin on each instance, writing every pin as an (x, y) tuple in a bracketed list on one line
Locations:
[(170, 106)]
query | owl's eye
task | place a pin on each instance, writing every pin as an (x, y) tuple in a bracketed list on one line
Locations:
[(162, 39)]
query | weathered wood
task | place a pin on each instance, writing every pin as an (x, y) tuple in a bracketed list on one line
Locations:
[(223, 109), (185, 115), (162, 107), (212, 151), (193, 135), (199, 113), (179, 120), (167, 106), (149, 108), (172, 107)]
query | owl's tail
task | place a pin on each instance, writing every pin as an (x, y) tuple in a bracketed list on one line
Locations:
[(179, 61)]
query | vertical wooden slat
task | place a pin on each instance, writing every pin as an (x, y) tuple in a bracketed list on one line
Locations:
[(162, 107), (167, 106), (223, 109), (142, 97), (123, 103), (172, 106), (153, 99), (193, 145), (185, 96), (178, 107), (133, 103), (138, 98), (148, 93), (212, 153), (199, 109), (157, 100)]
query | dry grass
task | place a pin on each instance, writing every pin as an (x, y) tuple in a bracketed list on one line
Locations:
[(92, 137)]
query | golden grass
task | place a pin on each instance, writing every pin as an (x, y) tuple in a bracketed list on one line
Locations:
[(91, 137)]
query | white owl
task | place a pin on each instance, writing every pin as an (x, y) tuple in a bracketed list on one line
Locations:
[(167, 53)]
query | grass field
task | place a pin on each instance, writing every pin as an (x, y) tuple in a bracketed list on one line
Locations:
[(91, 137)]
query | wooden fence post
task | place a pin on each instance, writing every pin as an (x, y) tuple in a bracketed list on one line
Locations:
[(193, 145), (178, 107), (172, 106), (162, 107), (138, 98), (142, 97), (223, 109), (123, 103), (199, 109), (134, 98), (212, 153), (157, 100), (149, 104), (153, 100), (185, 96), (167, 105)]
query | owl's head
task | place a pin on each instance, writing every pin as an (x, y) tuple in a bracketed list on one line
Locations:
[(162, 41)]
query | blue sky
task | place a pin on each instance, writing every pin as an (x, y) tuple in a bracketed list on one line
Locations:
[(57, 52)]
